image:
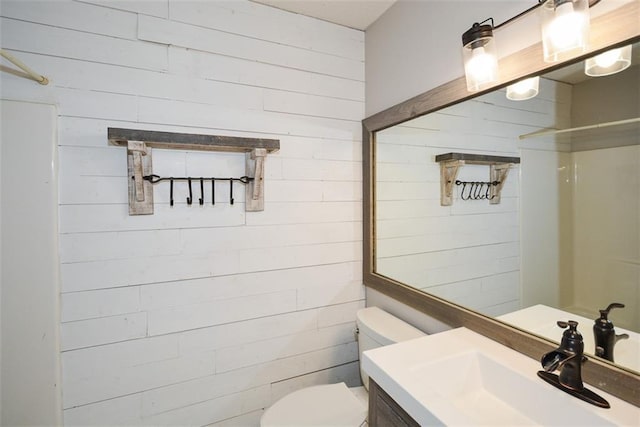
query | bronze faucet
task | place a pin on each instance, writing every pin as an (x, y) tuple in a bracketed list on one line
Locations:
[(604, 333), (569, 358)]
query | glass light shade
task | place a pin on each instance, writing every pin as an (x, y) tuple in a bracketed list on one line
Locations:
[(480, 63), (565, 28), (524, 89), (609, 62)]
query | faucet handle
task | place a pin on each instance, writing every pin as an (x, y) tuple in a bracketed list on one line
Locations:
[(604, 313), (572, 324), (611, 306), (603, 323)]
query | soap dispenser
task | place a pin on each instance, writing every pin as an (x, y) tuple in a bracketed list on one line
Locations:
[(604, 333)]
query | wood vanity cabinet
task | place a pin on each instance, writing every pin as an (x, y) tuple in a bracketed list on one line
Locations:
[(384, 411)]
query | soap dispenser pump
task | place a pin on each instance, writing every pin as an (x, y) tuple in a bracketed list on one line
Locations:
[(604, 333)]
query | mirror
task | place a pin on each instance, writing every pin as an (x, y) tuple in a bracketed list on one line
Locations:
[(566, 232), (547, 156)]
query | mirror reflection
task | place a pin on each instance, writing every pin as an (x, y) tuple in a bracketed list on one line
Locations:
[(563, 238)]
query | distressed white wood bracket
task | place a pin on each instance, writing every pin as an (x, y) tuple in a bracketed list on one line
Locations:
[(139, 163), (497, 172), (450, 164), (254, 192), (140, 191), (448, 174)]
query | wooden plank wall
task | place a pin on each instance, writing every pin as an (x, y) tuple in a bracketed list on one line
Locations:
[(469, 252), (199, 315)]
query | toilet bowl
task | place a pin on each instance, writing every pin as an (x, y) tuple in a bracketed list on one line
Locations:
[(337, 404)]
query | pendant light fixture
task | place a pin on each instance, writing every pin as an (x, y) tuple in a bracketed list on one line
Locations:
[(565, 33), (480, 58), (565, 28), (524, 89), (609, 62)]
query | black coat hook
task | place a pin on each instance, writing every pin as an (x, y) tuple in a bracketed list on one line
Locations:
[(171, 192), (201, 200), (190, 198)]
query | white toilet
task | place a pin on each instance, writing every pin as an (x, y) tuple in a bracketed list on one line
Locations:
[(336, 404)]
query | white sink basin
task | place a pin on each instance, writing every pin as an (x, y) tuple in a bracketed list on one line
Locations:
[(461, 378), (475, 389)]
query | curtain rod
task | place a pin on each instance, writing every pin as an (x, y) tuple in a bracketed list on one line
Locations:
[(596, 126), (30, 73)]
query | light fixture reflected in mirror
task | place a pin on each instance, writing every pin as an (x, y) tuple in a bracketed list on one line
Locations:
[(609, 62), (565, 28), (524, 89), (480, 58)]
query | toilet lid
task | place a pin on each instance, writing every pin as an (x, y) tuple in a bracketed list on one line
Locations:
[(323, 405)]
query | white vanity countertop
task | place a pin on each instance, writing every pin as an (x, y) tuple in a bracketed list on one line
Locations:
[(421, 376)]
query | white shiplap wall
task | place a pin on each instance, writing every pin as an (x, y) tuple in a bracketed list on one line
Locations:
[(199, 315), (468, 252)]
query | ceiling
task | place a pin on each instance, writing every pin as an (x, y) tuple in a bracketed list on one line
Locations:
[(358, 14)]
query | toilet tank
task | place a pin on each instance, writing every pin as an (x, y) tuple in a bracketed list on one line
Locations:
[(377, 328)]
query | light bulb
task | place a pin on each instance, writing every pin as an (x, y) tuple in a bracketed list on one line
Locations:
[(524, 89), (481, 66), (607, 59), (565, 28), (521, 87), (564, 31)]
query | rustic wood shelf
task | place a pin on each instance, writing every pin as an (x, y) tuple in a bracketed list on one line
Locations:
[(189, 141), (140, 142), (450, 164), (478, 159)]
